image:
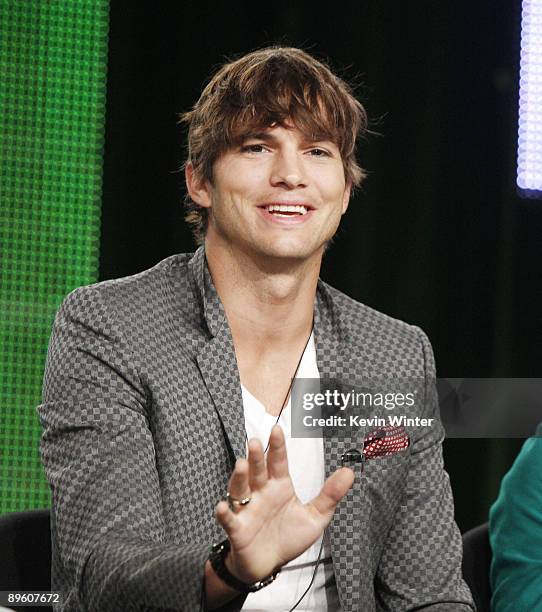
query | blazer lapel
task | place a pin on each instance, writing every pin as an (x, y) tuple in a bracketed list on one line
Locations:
[(218, 366), (349, 527), (217, 361)]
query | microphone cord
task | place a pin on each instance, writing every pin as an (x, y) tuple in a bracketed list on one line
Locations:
[(313, 575), (284, 404)]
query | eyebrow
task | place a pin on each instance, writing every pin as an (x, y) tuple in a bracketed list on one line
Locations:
[(259, 136), (267, 137)]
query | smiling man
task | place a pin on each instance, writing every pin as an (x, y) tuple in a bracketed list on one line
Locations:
[(159, 385)]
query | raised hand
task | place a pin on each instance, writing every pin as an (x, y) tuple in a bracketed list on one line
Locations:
[(274, 527)]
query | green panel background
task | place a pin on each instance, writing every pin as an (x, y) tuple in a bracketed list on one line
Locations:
[(53, 63)]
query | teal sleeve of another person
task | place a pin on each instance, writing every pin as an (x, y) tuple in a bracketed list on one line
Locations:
[(515, 532)]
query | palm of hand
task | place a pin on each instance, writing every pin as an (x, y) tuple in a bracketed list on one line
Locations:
[(275, 527)]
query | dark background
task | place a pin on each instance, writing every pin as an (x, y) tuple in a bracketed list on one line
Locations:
[(437, 236)]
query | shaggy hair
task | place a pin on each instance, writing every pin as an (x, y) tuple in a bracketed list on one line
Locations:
[(272, 86)]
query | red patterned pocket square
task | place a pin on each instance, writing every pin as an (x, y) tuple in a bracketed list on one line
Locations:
[(385, 441)]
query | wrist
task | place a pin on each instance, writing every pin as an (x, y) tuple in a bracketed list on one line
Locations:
[(217, 592), (222, 562), (230, 566)]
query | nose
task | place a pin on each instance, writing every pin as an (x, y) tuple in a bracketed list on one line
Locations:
[(288, 171)]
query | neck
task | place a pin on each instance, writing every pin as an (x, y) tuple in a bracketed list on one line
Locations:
[(268, 302)]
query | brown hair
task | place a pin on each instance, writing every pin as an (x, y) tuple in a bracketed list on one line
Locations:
[(275, 85)]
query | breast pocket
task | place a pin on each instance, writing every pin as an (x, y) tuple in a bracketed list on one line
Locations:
[(384, 480), (397, 460)]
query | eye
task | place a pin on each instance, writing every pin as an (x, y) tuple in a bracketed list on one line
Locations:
[(318, 152), (253, 148)]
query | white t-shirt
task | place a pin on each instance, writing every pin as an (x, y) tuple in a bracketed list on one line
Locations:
[(306, 464)]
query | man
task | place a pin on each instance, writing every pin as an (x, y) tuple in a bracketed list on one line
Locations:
[(156, 382)]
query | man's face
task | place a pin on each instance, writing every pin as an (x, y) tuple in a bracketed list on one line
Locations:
[(254, 182)]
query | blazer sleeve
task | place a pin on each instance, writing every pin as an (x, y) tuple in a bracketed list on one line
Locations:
[(420, 568), (515, 533), (110, 549)]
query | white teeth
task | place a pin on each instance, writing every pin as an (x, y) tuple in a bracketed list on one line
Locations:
[(287, 208)]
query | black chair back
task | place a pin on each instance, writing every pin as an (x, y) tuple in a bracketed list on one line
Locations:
[(476, 564), (25, 557)]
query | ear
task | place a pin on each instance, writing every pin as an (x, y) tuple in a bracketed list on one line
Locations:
[(199, 190), (346, 196)]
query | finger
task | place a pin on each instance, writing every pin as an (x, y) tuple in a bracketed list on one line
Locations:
[(277, 457), (226, 517), (334, 489), (238, 486), (257, 470)]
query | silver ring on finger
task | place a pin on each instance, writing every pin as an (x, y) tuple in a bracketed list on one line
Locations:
[(236, 502)]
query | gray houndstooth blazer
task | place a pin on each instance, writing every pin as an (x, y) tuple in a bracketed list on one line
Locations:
[(143, 418)]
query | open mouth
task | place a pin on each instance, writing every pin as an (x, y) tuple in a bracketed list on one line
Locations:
[(286, 210)]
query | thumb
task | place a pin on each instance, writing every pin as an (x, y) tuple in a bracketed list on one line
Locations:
[(334, 489)]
